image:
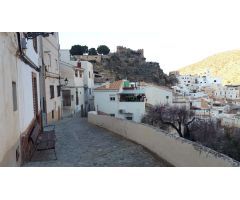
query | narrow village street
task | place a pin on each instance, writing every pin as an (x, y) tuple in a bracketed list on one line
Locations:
[(80, 143)]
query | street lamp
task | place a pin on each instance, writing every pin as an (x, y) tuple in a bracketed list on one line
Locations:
[(66, 81)]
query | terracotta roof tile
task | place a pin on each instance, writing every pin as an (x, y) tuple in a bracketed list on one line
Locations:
[(111, 86)]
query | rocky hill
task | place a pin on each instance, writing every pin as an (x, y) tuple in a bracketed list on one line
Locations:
[(130, 64), (225, 65)]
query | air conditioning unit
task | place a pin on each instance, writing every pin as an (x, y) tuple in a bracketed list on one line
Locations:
[(121, 111)]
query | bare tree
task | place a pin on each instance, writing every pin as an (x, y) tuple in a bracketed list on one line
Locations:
[(224, 140), (207, 132), (178, 118)]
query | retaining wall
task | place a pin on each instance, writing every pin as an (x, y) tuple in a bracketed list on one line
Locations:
[(175, 150)]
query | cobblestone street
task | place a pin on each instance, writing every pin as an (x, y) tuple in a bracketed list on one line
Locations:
[(80, 143)]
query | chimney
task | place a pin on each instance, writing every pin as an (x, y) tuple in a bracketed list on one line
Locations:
[(107, 84)]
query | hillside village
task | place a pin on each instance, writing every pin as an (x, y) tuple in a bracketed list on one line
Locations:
[(42, 84), (208, 97), (224, 65)]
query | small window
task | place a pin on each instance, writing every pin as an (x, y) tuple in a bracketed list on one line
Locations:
[(80, 74), (77, 99), (76, 73), (14, 95), (89, 74), (112, 98), (35, 44), (89, 91), (52, 114), (59, 90), (51, 91), (112, 115), (129, 118)]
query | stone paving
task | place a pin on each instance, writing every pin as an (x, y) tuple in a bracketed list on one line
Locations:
[(82, 144)]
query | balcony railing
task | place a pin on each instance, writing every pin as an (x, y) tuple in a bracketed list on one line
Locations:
[(132, 98)]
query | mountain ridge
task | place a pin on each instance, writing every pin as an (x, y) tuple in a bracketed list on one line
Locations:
[(225, 65)]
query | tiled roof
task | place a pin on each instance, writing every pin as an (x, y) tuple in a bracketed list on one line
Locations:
[(111, 86)]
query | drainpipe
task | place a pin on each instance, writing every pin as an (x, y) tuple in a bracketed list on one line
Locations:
[(24, 57), (43, 86)]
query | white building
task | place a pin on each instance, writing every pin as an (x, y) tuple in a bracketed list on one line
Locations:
[(88, 78), (88, 81), (51, 94), (197, 94), (196, 82), (120, 99), (72, 88), (19, 103), (232, 92), (231, 121), (156, 95)]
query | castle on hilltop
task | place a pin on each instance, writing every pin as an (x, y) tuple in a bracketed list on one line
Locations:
[(123, 50)]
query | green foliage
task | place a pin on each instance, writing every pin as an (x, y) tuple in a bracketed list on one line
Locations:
[(103, 49), (78, 50), (92, 51)]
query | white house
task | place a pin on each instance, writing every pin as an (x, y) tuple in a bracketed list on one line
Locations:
[(88, 81), (88, 77), (157, 94), (231, 121), (51, 96), (72, 88), (232, 92), (198, 81), (19, 103), (120, 99)]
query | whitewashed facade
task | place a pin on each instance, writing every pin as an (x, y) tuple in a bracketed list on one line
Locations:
[(20, 96), (156, 95), (88, 81), (121, 102), (73, 91), (51, 96), (88, 78)]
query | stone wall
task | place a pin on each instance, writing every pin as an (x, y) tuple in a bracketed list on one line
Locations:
[(175, 150)]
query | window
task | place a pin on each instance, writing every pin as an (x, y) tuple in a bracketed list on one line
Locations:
[(89, 74), (80, 74), (129, 118), (51, 91), (112, 115), (35, 44), (76, 73), (14, 95), (77, 99), (52, 114), (35, 94), (112, 98), (89, 91), (58, 90)]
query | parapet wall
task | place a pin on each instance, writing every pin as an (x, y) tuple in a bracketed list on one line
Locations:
[(175, 150)]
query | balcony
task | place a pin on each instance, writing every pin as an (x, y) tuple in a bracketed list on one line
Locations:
[(132, 98)]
